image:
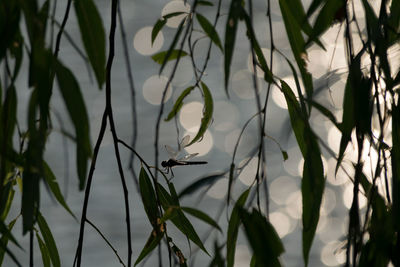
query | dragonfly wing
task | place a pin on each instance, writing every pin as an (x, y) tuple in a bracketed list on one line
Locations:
[(189, 156), (172, 153), (185, 141)]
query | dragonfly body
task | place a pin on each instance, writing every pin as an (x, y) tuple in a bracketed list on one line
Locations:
[(183, 161)]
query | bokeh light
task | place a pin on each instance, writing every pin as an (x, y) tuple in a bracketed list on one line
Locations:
[(348, 197), (281, 187), (333, 254), (190, 115), (142, 41), (172, 7), (153, 89), (281, 223), (243, 85), (294, 204), (202, 147)]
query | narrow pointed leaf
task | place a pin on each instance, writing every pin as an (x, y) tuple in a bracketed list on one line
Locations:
[(180, 220), (93, 36), (209, 29), (313, 182), (76, 107), (263, 238), (3, 244), (204, 3), (202, 216), (207, 113), (150, 245), (179, 103), (171, 48), (161, 57), (148, 197), (157, 28), (49, 240), (230, 37), (200, 183), (43, 251), (51, 181), (233, 229)]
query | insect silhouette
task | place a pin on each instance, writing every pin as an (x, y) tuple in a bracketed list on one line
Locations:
[(182, 161)]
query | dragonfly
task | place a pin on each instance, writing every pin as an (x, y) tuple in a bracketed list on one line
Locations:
[(182, 161)]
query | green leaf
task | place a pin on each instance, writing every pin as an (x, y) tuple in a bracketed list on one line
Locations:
[(161, 57), (268, 76), (233, 228), (51, 181), (209, 29), (148, 197), (6, 235), (76, 107), (151, 243), (10, 13), (171, 48), (205, 3), (200, 183), (179, 103), (235, 11), (313, 182), (157, 28), (180, 220), (160, 24), (218, 260), (202, 216), (93, 36), (262, 237), (43, 251), (325, 19), (49, 240), (297, 44), (207, 113)]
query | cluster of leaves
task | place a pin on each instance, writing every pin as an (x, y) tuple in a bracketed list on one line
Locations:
[(375, 243), (23, 163)]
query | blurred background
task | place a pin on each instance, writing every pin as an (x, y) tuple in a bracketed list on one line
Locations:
[(106, 207)]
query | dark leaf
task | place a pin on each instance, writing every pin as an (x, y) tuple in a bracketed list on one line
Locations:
[(313, 182), (157, 28), (161, 57), (180, 220), (233, 228), (6, 235), (171, 48), (148, 197), (262, 237), (49, 240), (207, 113), (202, 216), (204, 3), (151, 243), (93, 36), (43, 251), (179, 103), (10, 13), (200, 183), (209, 29), (234, 14), (76, 107), (51, 181)]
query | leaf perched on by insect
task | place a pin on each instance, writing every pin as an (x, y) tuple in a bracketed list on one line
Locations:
[(179, 103), (179, 220), (207, 113), (209, 29)]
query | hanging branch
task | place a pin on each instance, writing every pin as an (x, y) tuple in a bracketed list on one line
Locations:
[(107, 114)]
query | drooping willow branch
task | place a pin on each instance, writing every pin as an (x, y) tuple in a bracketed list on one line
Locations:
[(108, 114)]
